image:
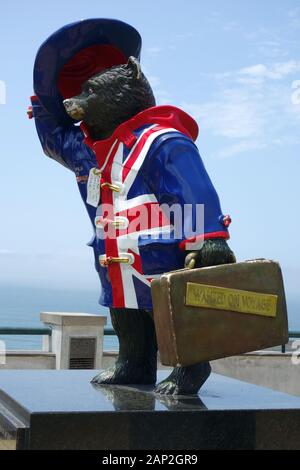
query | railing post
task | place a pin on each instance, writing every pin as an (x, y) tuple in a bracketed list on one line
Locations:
[(76, 340), (46, 343)]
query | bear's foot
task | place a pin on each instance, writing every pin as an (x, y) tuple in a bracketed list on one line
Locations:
[(184, 380), (124, 375)]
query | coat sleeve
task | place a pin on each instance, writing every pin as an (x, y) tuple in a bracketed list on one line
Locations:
[(63, 144), (179, 180)]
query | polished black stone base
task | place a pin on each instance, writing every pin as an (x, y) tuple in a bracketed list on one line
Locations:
[(62, 410)]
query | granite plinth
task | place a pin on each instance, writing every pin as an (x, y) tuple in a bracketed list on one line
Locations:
[(62, 410)]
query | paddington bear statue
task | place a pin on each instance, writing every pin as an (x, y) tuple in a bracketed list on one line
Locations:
[(132, 161)]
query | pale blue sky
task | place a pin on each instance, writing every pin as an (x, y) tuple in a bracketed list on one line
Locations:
[(231, 64)]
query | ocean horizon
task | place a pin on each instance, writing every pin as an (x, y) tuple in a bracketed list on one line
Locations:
[(21, 305)]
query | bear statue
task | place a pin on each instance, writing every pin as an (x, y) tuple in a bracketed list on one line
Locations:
[(140, 158)]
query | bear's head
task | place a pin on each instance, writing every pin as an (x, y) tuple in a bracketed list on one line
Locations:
[(110, 98)]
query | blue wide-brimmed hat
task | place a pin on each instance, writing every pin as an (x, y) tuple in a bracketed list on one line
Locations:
[(76, 52)]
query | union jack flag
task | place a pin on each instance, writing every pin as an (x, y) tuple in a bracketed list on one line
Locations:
[(150, 161), (130, 286)]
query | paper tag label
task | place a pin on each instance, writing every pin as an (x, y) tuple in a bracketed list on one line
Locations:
[(93, 187)]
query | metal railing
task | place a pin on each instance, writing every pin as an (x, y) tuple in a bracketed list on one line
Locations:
[(25, 330), (38, 331), (292, 334), (45, 331)]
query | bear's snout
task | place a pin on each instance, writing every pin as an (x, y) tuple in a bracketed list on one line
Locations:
[(74, 110), (68, 104)]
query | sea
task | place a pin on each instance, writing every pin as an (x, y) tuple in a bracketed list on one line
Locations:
[(21, 306)]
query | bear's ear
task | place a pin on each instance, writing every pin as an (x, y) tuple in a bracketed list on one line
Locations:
[(134, 65)]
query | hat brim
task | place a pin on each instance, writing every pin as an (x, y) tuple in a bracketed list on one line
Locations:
[(76, 52)]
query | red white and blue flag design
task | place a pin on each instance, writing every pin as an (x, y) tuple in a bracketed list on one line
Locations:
[(127, 277), (149, 162)]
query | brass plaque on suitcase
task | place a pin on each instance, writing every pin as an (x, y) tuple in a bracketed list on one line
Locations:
[(208, 313)]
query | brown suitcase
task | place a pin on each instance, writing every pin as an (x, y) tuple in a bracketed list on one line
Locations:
[(208, 313)]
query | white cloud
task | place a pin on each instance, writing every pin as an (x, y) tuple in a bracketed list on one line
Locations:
[(276, 71), (258, 74), (274, 43), (252, 108), (240, 147), (233, 115)]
